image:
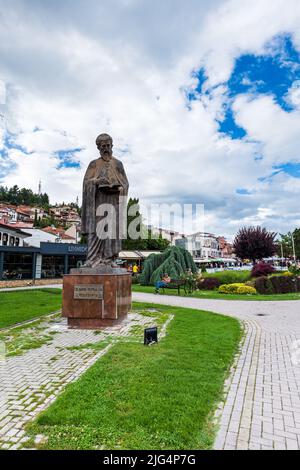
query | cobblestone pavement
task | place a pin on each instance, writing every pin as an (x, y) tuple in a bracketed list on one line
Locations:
[(30, 382), (262, 404)]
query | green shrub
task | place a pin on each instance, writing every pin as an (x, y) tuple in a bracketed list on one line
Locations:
[(230, 277), (284, 284), (294, 270), (264, 285), (135, 279)]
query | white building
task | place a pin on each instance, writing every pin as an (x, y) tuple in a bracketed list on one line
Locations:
[(169, 235), (11, 236), (36, 236), (201, 245)]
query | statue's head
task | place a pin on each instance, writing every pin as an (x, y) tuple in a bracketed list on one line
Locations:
[(105, 145)]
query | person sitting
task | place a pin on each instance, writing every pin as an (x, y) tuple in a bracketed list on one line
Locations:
[(163, 283)]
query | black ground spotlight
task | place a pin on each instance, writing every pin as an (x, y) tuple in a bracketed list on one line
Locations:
[(150, 336)]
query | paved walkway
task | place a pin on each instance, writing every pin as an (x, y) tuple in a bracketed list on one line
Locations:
[(45, 286), (30, 382), (262, 406)]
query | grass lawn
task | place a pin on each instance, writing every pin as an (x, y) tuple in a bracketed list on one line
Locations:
[(158, 397), (19, 306), (210, 294)]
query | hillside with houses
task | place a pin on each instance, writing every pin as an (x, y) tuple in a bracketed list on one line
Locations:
[(29, 224)]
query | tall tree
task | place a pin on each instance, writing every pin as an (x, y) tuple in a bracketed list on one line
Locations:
[(254, 243), (143, 240), (17, 196), (285, 244)]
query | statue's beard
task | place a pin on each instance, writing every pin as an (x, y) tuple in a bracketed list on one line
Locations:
[(106, 155)]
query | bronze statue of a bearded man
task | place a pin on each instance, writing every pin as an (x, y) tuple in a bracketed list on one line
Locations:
[(105, 189)]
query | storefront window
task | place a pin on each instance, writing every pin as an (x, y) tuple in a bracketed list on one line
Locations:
[(17, 266), (76, 261), (52, 267), (11, 241), (5, 239)]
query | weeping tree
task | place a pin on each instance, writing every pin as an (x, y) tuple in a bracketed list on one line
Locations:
[(174, 261)]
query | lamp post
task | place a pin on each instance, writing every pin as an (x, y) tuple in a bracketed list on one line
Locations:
[(281, 246), (294, 252)]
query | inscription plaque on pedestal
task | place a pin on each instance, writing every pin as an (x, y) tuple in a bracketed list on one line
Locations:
[(101, 299), (88, 292)]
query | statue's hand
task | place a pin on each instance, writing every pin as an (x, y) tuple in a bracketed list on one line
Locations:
[(95, 181)]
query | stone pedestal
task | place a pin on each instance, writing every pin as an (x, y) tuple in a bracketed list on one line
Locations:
[(94, 298)]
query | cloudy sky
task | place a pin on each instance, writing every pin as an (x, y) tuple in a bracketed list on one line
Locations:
[(202, 98)]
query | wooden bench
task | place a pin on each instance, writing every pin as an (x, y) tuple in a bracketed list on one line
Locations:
[(175, 284)]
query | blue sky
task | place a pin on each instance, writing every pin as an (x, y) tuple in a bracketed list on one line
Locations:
[(202, 99), (272, 73)]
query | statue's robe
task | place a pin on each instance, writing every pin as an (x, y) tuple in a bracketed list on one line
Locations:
[(104, 182)]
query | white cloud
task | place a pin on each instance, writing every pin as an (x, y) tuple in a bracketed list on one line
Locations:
[(267, 122), (73, 71)]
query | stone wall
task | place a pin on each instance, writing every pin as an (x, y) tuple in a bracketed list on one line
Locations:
[(29, 282)]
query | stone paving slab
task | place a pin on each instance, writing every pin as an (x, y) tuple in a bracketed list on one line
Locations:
[(30, 382), (262, 404)]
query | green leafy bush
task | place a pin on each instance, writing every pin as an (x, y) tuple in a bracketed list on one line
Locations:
[(135, 279), (284, 284), (264, 285), (294, 270), (230, 277), (277, 284)]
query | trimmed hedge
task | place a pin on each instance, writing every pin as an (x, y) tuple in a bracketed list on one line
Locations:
[(230, 276), (264, 286), (284, 284), (277, 284)]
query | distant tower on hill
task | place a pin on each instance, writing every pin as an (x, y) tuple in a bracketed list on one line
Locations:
[(77, 201), (40, 187)]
